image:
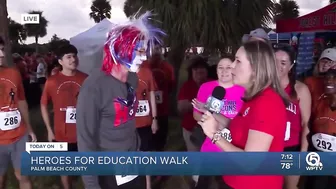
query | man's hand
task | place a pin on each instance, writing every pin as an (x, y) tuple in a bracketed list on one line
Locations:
[(155, 127), (51, 136), (32, 135)]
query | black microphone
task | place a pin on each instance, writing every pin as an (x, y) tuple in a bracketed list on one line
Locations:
[(214, 103)]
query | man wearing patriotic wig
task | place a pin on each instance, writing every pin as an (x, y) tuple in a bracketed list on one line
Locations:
[(107, 103)]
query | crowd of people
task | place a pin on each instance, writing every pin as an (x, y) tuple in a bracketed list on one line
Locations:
[(124, 106)]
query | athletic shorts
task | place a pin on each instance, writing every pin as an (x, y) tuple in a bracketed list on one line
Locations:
[(41, 80), (146, 138), (12, 153), (296, 148), (72, 147)]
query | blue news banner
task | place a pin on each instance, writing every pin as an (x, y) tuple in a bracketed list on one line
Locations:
[(178, 163)]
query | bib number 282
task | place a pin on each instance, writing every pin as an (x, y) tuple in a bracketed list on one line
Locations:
[(73, 116), (70, 115), (9, 121), (324, 145)]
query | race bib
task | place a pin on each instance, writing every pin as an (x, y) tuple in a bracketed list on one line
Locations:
[(226, 134), (158, 97), (70, 115), (143, 108), (122, 179), (324, 142), (10, 120)]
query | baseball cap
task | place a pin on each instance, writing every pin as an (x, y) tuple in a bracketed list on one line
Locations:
[(260, 33), (329, 53)]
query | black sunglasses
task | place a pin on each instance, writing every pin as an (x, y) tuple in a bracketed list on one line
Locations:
[(130, 98)]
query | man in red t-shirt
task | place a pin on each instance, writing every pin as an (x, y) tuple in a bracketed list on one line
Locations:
[(198, 73)]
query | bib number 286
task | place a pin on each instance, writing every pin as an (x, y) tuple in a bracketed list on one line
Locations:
[(9, 121), (324, 145)]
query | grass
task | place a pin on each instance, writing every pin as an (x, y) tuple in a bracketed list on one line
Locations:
[(175, 143)]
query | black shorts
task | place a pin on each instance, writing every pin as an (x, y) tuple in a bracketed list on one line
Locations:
[(72, 147), (41, 80), (319, 182), (296, 148), (146, 138)]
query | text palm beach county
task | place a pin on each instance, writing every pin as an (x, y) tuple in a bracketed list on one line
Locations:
[(105, 160)]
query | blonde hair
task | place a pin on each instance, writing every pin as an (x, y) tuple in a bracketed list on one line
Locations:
[(262, 60)]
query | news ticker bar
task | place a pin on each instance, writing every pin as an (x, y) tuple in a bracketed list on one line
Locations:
[(178, 163)]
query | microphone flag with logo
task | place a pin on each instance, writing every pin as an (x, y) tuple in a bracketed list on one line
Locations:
[(214, 103)]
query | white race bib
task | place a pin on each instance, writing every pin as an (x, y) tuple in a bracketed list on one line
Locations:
[(70, 115), (158, 97), (10, 120), (324, 142), (143, 108), (226, 134), (122, 179)]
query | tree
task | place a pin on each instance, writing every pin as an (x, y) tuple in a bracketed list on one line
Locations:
[(17, 32), (37, 30), (100, 9), (286, 9), (332, 1), (55, 42), (213, 24), (4, 29)]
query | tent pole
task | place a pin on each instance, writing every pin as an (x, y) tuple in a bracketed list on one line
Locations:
[(277, 38)]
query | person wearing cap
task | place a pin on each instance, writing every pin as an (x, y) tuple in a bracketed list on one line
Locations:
[(326, 61), (258, 34)]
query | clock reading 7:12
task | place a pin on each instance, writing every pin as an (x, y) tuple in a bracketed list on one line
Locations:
[(286, 156)]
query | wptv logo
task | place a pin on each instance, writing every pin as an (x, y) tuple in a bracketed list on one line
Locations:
[(30, 18), (313, 161)]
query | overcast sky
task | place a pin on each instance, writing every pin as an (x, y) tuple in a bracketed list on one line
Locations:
[(68, 18)]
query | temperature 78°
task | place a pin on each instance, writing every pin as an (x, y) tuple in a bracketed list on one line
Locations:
[(286, 165)]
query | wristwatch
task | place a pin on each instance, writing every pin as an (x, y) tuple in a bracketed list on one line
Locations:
[(216, 137)]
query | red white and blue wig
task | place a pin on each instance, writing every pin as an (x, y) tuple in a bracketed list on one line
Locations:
[(126, 39)]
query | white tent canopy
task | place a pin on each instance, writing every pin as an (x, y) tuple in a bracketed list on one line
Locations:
[(90, 45)]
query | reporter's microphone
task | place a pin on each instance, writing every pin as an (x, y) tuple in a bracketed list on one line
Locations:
[(214, 103)]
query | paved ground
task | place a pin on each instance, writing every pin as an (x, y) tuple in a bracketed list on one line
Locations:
[(175, 143)]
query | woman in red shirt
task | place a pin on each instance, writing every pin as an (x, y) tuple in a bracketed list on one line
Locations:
[(298, 111), (198, 74), (261, 124)]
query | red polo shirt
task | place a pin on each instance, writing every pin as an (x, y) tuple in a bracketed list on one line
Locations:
[(265, 113), (188, 92)]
